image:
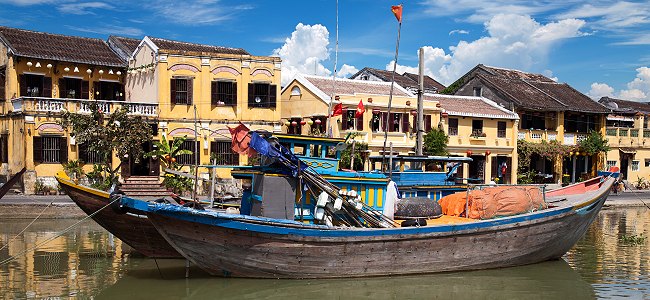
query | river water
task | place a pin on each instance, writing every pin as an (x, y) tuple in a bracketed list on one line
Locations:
[(612, 261)]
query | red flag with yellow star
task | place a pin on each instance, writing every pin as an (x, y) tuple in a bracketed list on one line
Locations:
[(397, 11)]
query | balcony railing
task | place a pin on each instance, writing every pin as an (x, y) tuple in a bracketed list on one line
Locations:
[(57, 105)]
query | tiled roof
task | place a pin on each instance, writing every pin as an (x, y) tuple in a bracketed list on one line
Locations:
[(125, 43), (470, 106), (428, 81), (523, 94), (536, 92), (351, 87), (185, 47), (574, 100), (514, 74), (619, 105), (406, 80), (40, 45)]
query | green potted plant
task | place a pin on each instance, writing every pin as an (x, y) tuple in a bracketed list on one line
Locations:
[(74, 169)]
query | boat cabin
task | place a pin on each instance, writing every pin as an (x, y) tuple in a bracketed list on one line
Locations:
[(425, 176)]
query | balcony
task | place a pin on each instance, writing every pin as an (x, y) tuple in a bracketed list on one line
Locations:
[(57, 105), (537, 135)]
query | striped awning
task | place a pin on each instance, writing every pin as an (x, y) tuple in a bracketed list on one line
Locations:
[(628, 150)]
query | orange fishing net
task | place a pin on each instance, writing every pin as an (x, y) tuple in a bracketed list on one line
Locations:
[(494, 202)]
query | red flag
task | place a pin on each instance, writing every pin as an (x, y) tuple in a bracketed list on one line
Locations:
[(338, 110), (241, 140), (360, 110), (397, 11)]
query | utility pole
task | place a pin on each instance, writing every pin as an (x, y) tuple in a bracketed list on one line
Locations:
[(419, 141)]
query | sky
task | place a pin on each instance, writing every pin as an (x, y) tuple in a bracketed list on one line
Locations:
[(601, 48)]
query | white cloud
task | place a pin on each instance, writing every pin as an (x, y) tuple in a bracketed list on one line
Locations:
[(599, 90), (27, 2), (513, 41), (195, 12), (304, 52), (637, 90), (479, 11), (613, 16), (110, 30), (82, 8), (458, 31), (346, 70)]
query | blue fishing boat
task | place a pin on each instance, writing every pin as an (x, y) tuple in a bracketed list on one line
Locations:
[(349, 238)]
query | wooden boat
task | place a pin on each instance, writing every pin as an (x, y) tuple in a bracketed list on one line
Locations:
[(4, 189), (134, 229), (247, 246)]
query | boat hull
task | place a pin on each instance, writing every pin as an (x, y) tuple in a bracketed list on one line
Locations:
[(253, 247), (133, 229)]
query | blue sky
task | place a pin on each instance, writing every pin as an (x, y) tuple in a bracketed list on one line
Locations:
[(599, 47)]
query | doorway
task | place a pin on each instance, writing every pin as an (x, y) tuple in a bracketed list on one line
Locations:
[(144, 166), (477, 170)]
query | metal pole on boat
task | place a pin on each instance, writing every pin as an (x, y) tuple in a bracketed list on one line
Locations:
[(420, 117), (390, 99), (467, 202), (390, 161), (196, 157), (352, 155), (214, 175)]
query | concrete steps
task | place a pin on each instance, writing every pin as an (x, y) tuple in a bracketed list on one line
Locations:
[(143, 186)]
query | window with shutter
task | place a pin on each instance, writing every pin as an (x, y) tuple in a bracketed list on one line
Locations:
[(47, 87), (501, 129), (37, 146), (70, 88), (4, 148), (345, 117), (224, 93), (188, 159), (453, 127), (85, 89), (223, 153), (63, 149), (427, 123), (181, 91), (22, 81), (359, 121), (262, 95), (405, 123)]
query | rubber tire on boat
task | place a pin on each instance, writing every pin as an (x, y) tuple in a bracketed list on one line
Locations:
[(417, 207), (414, 222), (194, 205), (117, 206)]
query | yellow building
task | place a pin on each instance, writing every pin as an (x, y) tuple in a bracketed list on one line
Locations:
[(628, 136), (548, 111), (217, 87), (170, 83), (40, 75), (306, 102), (481, 129)]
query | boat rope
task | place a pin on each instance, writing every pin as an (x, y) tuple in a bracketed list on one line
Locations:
[(13, 257), (28, 225)]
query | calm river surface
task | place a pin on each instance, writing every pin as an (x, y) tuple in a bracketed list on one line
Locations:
[(88, 262)]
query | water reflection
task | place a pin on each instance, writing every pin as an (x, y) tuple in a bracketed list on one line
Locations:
[(88, 262), (550, 280)]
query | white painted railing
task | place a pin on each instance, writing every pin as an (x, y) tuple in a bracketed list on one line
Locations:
[(56, 105), (49, 105)]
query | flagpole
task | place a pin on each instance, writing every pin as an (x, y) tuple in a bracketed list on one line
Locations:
[(390, 100), (328, 127)]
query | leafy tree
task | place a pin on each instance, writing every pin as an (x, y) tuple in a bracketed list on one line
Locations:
[(594, 143), (104, 134), (346, 154), (167, 153), (435, 143)]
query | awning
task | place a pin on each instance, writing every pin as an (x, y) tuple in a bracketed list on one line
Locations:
[(620, 118), (628, 150)]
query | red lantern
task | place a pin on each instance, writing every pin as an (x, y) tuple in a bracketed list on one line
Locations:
[(444, 115), (369, 100), (337, 98), (469, 152), (414, 112), (487, 153), (303, 122), (294, 123), (438, 105), (318, 121), (376, 111), (408, 102)]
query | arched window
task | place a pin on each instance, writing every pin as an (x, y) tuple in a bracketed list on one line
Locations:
[(295, 91)]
